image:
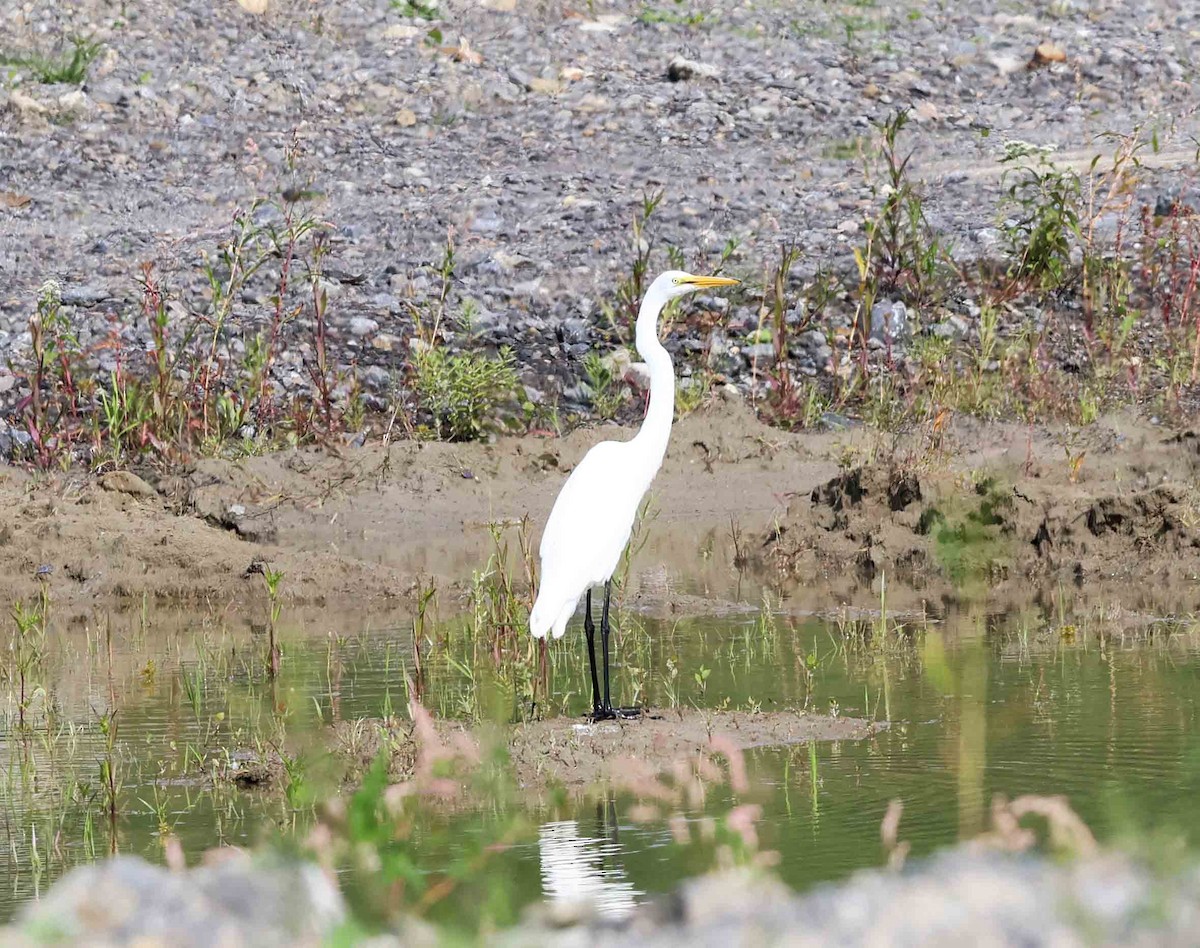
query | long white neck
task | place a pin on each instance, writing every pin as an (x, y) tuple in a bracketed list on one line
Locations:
[(656, 429)]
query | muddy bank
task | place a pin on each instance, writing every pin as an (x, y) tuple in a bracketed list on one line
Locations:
[(568, 752), (1118, 505), (578, 754), (820, 515), (358, 524)]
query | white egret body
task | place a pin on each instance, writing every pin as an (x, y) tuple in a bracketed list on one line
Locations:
[(593, 516)]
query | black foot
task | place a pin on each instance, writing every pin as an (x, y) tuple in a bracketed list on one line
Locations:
[(616, 714)]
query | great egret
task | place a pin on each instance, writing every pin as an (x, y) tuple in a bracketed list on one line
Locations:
[(592, 518)]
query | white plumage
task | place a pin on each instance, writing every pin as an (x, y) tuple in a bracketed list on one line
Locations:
[(588, 530), (593, 516)]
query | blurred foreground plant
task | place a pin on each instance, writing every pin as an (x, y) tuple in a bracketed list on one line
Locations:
[(405, 848)]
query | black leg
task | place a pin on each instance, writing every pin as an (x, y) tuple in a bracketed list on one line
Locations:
[(607, 709), (604, 630), (590, 630)]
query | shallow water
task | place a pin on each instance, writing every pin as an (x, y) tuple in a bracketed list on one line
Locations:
[(1101, 710)]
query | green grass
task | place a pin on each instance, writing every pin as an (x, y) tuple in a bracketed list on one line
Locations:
[(68, 67), (416, 9), (970, 543), (678, 15)]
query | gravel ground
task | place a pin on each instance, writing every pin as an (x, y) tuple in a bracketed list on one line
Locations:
[(965, 895), (531, 130), (962, 896), (235, 900)]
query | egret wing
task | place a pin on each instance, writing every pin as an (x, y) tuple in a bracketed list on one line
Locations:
[(591, 520)]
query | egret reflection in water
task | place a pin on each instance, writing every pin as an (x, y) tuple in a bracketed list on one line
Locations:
[(579, 869)]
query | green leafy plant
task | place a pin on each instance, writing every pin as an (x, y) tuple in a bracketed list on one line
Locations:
[(608, 394), (416, 8), (775, 310), (632, 288), (110, 776), (204, 383), (52, 409), (464, 393), (26, 649), (1042, 204), (690, 394), (903, 254), (272, 578)]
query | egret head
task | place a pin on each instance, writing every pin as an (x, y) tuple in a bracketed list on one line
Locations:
[(675, 283)]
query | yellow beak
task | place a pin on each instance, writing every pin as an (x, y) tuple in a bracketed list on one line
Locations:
[(710, 281)]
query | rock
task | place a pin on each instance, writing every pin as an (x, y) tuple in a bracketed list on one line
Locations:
[(1006, 65), (88, 295), (990, 241), (953, 328), (638, 375), (26, 104), (617, 362), (15, 443), (720, 354), (363, 326), (1047, 53), (966, 894), (233, 900), (889, 321), (760, 352), (577, 395), (811, 339), (604, 23), (401, 31), (681, 69), (74, 101), (520, 77), (574, 330), (253, 6), (593, 103), (377, 379), (486, 223), (126, 482), (713, 304), (834, 421), (412, 143)]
